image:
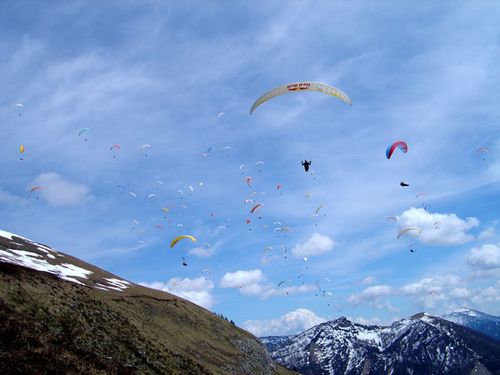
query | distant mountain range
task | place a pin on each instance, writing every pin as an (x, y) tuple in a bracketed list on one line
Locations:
[(422, 344), (60, 315), (476, 320)]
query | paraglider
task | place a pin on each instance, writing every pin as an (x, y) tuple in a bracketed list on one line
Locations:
[(318, 209), (408, 229), (306, 165), (318, 281), (420, 195), (284, 281), (19, 105), (115, 147), (283, 251), (482, 150), (82, 131), (184, 263), (404, 184), (259, 164), (220, 116), (177, 239), (399, 144), (207, 272), (21, 151), (279, 186), (165, 209), (298, 87), (248, 180), (256, 207), (144, 146), (35, 188)]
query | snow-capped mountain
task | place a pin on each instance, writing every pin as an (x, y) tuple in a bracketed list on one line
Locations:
[(476, 320), (422, 344)]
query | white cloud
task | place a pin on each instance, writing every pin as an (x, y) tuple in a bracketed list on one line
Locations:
[(430, 285), (292, 322), (200, 252), (373, 296), (490, 295), (198, 290), (485, 257), (8, 198), (251, 283), (370, 294), (241, 279), (487, 234), (59, 192), (369, 280), (438, 229), (316, 245)]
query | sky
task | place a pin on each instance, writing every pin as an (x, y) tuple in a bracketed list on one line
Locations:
[(171, 85)]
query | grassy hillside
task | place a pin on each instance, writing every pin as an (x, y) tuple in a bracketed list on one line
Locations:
[(54, 326)]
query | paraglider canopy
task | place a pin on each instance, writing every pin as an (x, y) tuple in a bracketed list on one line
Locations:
[(399, 144), (177, 239), (298, 87), (408, 229)]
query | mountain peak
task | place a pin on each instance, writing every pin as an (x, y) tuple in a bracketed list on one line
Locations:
[(420, 315), (423, 343)]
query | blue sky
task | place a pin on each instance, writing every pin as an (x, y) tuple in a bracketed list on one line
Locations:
[(161, 73)]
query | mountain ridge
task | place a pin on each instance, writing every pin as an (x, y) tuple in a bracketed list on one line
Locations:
[(476, 320), (421, 344), (62, 315)]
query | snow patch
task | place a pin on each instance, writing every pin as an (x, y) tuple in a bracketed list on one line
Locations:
[(27, 259)]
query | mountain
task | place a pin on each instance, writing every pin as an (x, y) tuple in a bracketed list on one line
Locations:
[(422, 344), (476, 320), (61, 315)]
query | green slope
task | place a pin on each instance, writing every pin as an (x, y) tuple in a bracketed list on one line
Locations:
[(54, 326)]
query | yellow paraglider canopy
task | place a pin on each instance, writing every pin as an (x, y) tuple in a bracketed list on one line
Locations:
[(177, 239)]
